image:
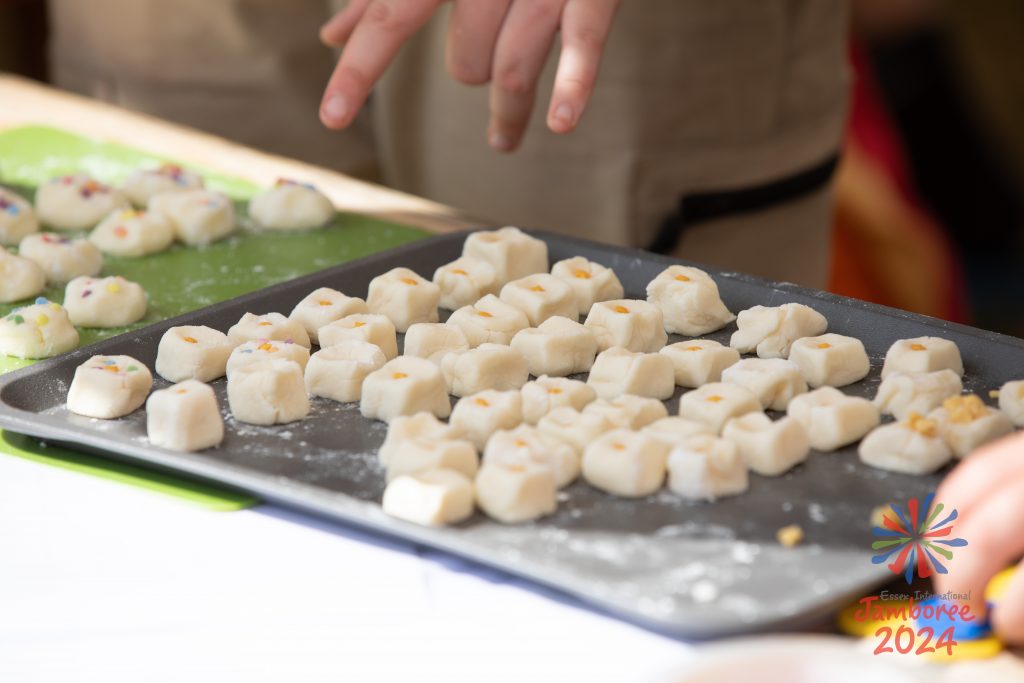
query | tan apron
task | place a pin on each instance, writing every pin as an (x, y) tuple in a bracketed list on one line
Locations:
[(694, 96)]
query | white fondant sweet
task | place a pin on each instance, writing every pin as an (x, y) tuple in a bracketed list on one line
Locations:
[(424, 454), (910, 447), (628, 412), (184, 417), (431, 498), (479, 415), (489, 321), (104, 302), (830, 360), (199, 217), (260, 350), (540, 296), (404, 386), (17, 219), (633, 324), (193, 352), (62, 258), (269, 326), (768, 447), (966, 423), (488, 366), (558, 347), (337, 372), (705, 467), (291, 205), (107, 387), (716, 403), (515, 492), (130, 232), (368, 327), (525, 444), (144, 184), (833, 419), (434, 341), (673, 430), (404, 297), (20, 278), (465, 281), (573, 427), (41, 330), (76, 202), (774, 381), (267, 393), (689, 300), (902, 393), (699, 361), (591, 282), (922, 354), (617, 371), (547, 393), (419, 425), (770, 331), (1011, 401), (511, 252), (324, 306), (625, 463)]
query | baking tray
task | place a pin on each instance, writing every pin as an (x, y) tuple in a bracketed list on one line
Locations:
[(689, 569)]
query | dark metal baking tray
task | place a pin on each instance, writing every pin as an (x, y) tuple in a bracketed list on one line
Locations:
[(689, 569)]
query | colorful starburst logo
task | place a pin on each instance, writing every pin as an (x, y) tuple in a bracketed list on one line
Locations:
[(916, 539)]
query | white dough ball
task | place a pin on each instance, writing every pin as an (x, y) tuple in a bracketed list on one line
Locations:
[(193, 352), (424, 454), (144, 184), (699, 361), (591, 282), (510, 251), (625, 463), (830, 360), (270, 326), (770, 331), (478, 416), (526, 444), (628, 412), (465, 281), (922, 354), (716, 403), (774, 381), (488, 366), (547, 393), (431, 498), (910, 447), (540, 296), (689, 300), (404, 386), (673, 430), (768, 447), (1011, 401), (337, 372), (366, 327), (705, 467), (489, 321), (833, 419), (106, 387), (324, 306), (268, 393), (184, 417), (403, 297), (434, 341), (514, 492), (633, 324), (104, 302), (291, 205), (130, 232), (558, 347), (20, 278), (407, 427), (903, 393), (618, 371), (966, 423), (199, 217), (570, 426), (62, 258), (261, 350), (17, 219), (42, 330), (76, 202)]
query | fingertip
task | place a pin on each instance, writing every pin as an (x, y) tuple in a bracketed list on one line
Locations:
[(562, 118), (335, 111), (500, 141)]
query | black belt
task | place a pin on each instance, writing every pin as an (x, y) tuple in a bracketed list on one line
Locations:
[(706, 206)]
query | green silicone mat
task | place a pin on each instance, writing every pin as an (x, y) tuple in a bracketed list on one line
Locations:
[(184, 278)]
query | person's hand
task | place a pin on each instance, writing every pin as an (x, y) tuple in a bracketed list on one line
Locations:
[(987, 490), (501, 42)]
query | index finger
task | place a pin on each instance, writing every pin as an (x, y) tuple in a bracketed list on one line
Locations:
[(382, 29)]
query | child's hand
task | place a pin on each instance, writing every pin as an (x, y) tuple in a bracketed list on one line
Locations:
[(501, 42), (987, 490)]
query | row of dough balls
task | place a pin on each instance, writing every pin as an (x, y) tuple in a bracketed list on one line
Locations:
[(170, 204)]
